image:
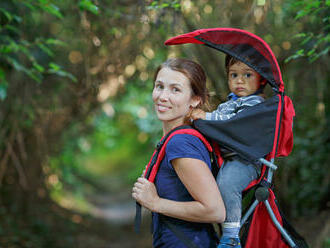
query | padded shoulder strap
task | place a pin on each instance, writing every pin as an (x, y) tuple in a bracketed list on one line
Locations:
[(159, 153), (157, 157)]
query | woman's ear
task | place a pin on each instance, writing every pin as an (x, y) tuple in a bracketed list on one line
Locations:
[(263, 81), (196, 100)]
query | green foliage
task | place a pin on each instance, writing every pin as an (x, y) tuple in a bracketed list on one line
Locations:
[(22, 54), (307, 167), (307, 164), (314, 43)]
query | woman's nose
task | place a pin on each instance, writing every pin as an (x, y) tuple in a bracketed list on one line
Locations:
[(164, 95)]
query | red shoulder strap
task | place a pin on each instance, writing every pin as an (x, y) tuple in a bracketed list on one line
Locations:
[(161, 154)]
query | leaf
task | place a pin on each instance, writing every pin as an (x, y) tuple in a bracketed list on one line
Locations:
[(307, 39), (56, 69), (177, 6), (19, 67), (54, 66), (34, 75), (3, 85), (38, 67), (55, 42), (89, 6), (298, 54), (300, 35), (30, 6), (311, 52), (3, 89), (12, 28), (45, 49), (5, 49), (7, 14), (52, 9), (18, 18), (16, 64)]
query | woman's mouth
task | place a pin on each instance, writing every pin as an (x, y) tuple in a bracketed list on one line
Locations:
[(162, 108)]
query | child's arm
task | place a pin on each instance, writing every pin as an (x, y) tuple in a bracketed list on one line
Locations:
[(197, 114)]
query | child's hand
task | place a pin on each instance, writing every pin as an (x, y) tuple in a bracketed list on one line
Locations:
[(197, 114)]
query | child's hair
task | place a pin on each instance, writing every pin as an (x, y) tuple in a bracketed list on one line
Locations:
[(229, 61), (193, 71)]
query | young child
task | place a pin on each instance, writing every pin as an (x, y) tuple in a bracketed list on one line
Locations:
[(246, 87)]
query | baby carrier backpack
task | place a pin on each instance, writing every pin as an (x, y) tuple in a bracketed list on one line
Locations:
[(258, 134)]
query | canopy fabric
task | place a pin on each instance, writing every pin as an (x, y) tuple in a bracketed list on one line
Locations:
[(241, 44)]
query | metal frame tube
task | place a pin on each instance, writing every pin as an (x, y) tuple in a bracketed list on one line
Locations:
[(284, 233), (249, 212), (267, 163), (278, 225)]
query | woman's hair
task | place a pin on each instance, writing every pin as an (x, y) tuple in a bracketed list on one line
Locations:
[(193, 71)]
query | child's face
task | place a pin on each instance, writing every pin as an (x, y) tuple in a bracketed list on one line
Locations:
[(243, 80)]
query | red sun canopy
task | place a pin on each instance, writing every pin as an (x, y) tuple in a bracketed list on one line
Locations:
[(241, 44)]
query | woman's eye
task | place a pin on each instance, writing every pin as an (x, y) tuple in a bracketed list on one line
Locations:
[(158, 86), (176, 89)]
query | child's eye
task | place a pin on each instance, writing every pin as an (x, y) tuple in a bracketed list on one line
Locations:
[(247, 75), (233, 75)]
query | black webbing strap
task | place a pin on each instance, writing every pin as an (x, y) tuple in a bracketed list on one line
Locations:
[(160, 145), (178, 233), (138, 217), (138, 207)]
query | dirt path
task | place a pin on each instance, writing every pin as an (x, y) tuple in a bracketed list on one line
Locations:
[(117, 212)]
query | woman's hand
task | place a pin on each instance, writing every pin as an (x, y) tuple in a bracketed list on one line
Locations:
[(145, 193)]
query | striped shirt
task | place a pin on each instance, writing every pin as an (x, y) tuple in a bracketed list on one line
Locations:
[(231, 107)]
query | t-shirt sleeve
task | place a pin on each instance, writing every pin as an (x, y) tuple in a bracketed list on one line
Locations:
[(187, 146)]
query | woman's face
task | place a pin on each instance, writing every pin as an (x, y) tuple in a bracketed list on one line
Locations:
[(172, 96)]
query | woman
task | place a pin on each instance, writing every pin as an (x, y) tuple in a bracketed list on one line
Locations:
[(185, 192)]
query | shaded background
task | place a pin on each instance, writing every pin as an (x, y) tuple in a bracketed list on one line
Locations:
[(76, 119)]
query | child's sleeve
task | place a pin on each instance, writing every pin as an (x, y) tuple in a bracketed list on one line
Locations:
[(225, 111), (249, 101)]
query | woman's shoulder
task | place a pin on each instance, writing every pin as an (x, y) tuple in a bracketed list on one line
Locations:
[(186, 145), (179, 140)]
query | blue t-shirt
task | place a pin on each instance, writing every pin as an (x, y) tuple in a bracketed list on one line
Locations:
[(169, 186)]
